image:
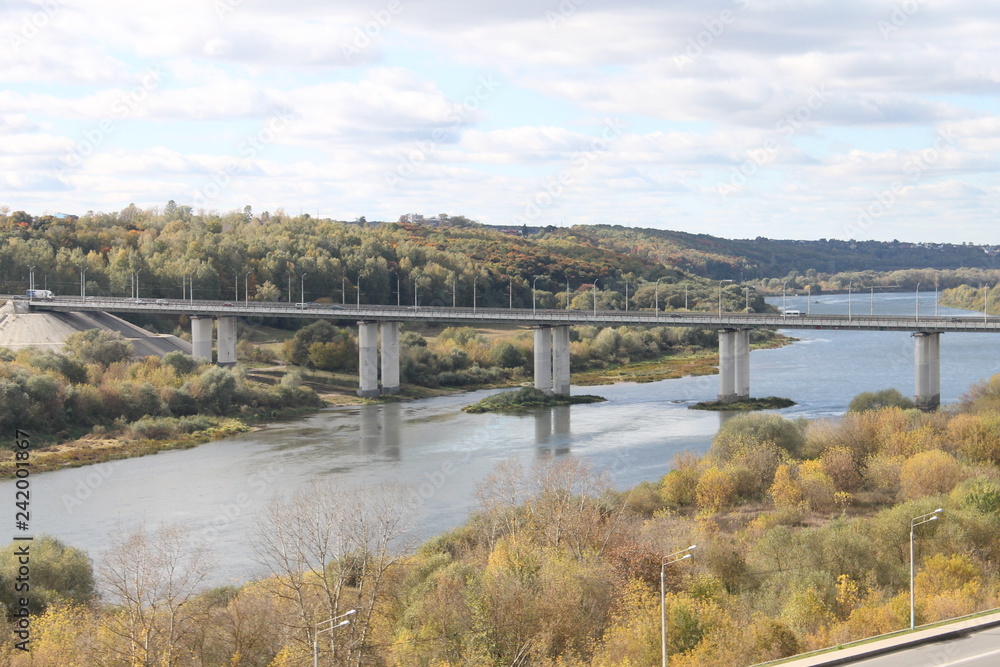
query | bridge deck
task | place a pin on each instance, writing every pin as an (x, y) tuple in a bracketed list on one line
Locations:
[(525, 316)]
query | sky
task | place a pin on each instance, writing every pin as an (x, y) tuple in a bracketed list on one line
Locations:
[(800, 119)]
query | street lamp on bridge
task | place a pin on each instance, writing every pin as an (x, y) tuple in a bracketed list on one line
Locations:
[(595, 296), (656, 297), (533, 294)]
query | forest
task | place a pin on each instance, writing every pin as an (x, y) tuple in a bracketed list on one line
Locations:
[(801, 531)]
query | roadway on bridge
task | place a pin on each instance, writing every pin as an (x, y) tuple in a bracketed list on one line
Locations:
[(523, 316)]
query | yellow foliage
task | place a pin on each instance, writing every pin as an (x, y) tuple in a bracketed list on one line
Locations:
[(929, 473), (59, 638), (785, 492), (716, 489)]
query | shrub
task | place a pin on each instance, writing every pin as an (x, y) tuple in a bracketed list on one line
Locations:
[(876, 400), (929, 473)]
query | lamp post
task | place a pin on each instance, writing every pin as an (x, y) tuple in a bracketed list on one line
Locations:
[(626, 296), (246, 288), (668, 560), (333, 625), (137, 283), (358, 290), (567, 294), (809, 299), (916, 304), (871, 303), (474, 279), (720, 294), (416, 297), (454, 291), (533, 294), (302, 286), (914, 522), (595, 296), (236, 286), (746, 291), (783, 299), (686, 298), (656, 302), (849, 314), (343, 290), (83, 282), (396, 276), (511, 292), (986, 298), (31, 278)]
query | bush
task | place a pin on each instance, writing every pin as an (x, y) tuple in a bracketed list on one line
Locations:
[(876, 400), (180, 362), (748, 430), (97, 346), (928, 474)]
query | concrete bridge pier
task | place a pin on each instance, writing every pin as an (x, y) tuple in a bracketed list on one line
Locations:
[(390, 357), (560, 360), (927, 369), (226, 346), (727, 365), (543, 359), (742, 364), (201, 338), (367, 359)]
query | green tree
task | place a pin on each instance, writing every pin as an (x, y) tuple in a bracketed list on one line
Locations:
[(97, 346), (59, 574), (876, 400)]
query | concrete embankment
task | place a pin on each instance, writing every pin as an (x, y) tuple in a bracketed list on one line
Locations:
[(20, 329)]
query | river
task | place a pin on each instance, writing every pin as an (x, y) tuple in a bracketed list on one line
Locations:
[(216, 488)]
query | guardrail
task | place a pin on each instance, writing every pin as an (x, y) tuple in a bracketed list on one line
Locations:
[(527, 316)]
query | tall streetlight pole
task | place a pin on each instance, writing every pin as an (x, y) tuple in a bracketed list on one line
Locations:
[(595, 296), (986, 298), (686, 298), (916, 304), (809, 299), (567, 294), (720, 294), (746, 291), (668, 560), (358, 286), (332, 625), (914, 522), (511, 291), (137, 283), (398, 297), (246, 288), (656, 298), (474, 279), (236, 286), (626, 296), (783, 299), (849, 314), (533, 294), (83, 282), (871, 303), (302, 286), (31, 278)]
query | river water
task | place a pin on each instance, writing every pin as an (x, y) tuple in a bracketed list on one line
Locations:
[(216, 488)]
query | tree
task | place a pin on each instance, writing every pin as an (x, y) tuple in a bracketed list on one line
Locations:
[(152, 578), (60, 574), (97, 346), (876, 400), (329, 549)]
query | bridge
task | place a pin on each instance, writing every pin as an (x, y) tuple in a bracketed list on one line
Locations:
[(551, 343)]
